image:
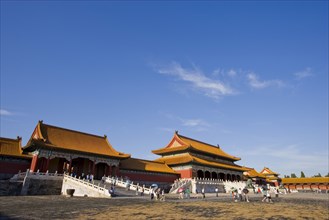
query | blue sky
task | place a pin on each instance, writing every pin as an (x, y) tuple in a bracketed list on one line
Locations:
[(250, 76)]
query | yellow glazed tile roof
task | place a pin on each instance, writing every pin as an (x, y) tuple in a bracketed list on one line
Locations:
[(187, 158), (268, 171), (60, 138), (12, 147), (272, 178), (308, 180), (145, 165), (253, 173), (181, 143), (179, 159)]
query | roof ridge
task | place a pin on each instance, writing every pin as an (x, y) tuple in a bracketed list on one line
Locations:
[(146, 160), (217, 147), (10, 139), (81, 132)]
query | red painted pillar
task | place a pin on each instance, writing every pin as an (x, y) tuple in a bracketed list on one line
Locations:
[(34, 162), (93, 170), (117, 173), (110, 171), (47, 164), (89, 167)]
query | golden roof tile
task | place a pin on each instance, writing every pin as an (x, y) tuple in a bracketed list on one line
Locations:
[(307, 180), (253, 173), (145, 165), (181, 143), (12, 147), (268, 171), (187, 158), (61, 138)]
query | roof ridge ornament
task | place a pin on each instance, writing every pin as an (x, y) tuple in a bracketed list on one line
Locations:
[(218, 146), (176, 131)]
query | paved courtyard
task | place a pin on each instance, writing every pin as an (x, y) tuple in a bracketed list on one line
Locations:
[(61, 207)]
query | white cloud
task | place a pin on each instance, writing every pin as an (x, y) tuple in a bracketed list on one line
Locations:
[(198, 80), (254, 82), (290, 159), (232, 73), (4, 112), (194, 122), (303, 74)]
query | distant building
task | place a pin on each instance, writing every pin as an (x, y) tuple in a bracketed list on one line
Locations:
[(192, 158), (63, 150), (257, 178), (271, 177), (12, 159), (310, 183)]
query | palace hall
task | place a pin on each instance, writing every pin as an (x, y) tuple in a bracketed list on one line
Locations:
[(63, 150), (192, 158)]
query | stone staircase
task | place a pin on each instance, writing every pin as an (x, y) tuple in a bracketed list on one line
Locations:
[(84, 188), (229, 186), (126, 186), (181, 183)]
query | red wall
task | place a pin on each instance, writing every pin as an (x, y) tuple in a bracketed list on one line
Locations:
[(135, 176), (313, 186), (12, 167), (185, 173)]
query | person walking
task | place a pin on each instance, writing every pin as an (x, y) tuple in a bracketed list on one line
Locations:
[(276, 192), (158, 193), (111, 191), (197, 193), (264, 192), (245, 192), (240, 194), (187, 193), (216, 191), (268, 196), (234, 194), (163, 198), (142, 191), (203, 193), (152, 193)]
